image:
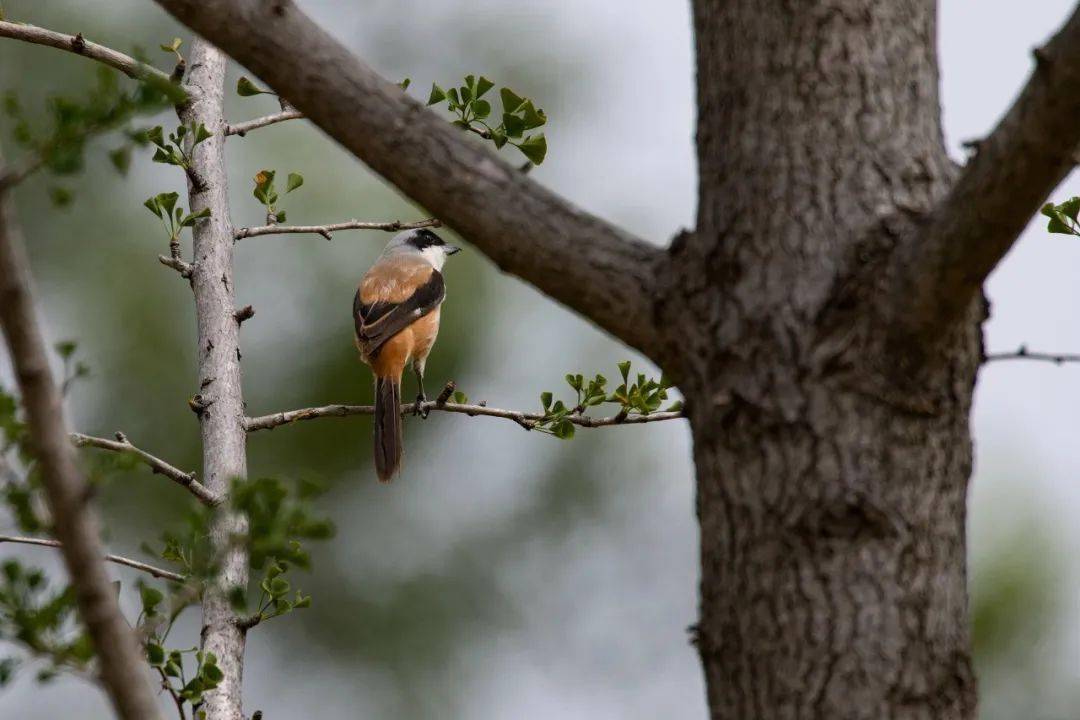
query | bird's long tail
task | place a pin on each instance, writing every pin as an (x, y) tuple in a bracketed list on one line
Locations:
[(388, 440)]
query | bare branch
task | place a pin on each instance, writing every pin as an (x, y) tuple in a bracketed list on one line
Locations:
[(76, 526), (184, 268), (118, 559), (524, 419), (1030, 151), (593, 267), (81, 46), (244, 128), (1022, 353), (326, 230), (156, 464)]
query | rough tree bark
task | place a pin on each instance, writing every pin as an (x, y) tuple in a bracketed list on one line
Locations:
[(121, 665), (823, 318), (220, 401)]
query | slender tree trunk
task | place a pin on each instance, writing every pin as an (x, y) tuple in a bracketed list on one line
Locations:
[(120, 659), (832, 461), (221, 400)]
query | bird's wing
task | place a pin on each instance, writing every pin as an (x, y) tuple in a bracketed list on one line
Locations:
[(378, 321)]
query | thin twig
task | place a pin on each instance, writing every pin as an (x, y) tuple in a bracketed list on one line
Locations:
[(184, 268), (526, 420), (1022, 353), (12, 175), (79, 45), (244, 128), (166, 684), (326, 230), (118, 559), (156, 464)]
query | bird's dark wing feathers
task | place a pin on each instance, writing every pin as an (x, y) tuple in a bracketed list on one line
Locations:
[(379, 321)]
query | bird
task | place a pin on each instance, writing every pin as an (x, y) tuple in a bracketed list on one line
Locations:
[(396, 320)]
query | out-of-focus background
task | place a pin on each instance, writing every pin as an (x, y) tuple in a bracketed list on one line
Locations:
[(507, 574)]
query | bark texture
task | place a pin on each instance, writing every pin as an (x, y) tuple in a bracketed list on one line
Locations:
[(221, 395), (121, 665)]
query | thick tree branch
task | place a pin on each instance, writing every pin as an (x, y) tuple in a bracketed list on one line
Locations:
[(66, 490), (326, 230), (81, 46), (1030, 151), (118, 559), (244, 128), (221, 401), (156, 464), (583, 262), (525, 419)]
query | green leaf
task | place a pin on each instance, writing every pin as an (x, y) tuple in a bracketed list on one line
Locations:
[(624, 369), (213, 674), (534, 147), (246, 88), (482, 86), (533, 118), (201, 133), (498, 137), (545, 400), (404, 84), (513, 125), (1059, 226), (167, 201), (173, 46), (1070, 208), (452, 96), (156, 135), (460, 398), (437, 95), (61, 196), (155, 654), (264, 183), (481, 109), (66, 348), (151, 204), (280, 216), (574, 381), (295, 180), (191, 219), (564, 430), (511, 101), (121, 159), (151, 597)]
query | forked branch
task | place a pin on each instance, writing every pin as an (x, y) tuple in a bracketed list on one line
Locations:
[(1013, 170), (122, 445)]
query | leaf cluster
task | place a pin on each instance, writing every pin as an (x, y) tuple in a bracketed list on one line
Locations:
[(170, 150), (173, 218), (474, 113), (640, 396), (267, 194), (42, 622), (1063, 217), (61, 139)]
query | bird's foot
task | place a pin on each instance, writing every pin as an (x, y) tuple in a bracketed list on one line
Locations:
[(418, 407)]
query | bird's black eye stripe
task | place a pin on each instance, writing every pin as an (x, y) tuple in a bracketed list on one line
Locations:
[(425, 239)]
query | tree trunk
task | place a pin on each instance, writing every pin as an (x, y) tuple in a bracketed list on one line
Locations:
[(832, 460)]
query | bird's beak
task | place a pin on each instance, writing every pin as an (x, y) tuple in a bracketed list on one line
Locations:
[(451, 249)]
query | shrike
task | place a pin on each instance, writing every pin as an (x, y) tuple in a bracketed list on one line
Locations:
[(396, 315)]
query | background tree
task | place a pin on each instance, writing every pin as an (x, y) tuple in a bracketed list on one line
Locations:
[(841, 525)]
